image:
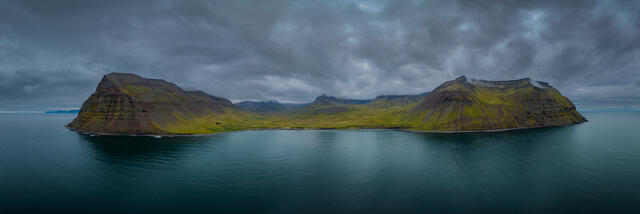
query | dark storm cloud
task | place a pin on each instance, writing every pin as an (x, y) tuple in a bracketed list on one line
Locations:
[(53, 53)]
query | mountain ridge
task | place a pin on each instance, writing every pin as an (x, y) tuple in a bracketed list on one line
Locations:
[(261, 107), (129, 104), (469, 104)]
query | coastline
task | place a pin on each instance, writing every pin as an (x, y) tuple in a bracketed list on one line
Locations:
[(263, 129), (491, 130)]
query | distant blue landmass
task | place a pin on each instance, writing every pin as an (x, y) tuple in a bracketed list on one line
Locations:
[(72, 111)]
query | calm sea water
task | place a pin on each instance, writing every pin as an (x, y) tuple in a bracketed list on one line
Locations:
[(587, 168)]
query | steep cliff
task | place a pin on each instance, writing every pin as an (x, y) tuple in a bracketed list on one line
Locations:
[(129, 104), (466, 104)]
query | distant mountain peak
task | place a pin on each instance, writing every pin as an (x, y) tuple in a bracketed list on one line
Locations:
[(261, 107), (332, 100)]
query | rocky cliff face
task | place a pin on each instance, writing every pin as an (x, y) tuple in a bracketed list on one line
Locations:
[(466, 104), (130, 104)]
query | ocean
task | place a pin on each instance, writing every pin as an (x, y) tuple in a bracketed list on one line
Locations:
[(587, 168)]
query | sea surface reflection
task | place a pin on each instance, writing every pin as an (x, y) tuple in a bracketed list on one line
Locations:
[(592, 167)]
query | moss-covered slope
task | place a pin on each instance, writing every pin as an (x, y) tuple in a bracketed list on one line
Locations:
[(397, 100), (466, 104), (129, 104)]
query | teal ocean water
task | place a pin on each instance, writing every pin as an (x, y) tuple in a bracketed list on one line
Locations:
[(588, 168)]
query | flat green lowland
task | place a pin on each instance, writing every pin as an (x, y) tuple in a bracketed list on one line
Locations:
[(127, 104)]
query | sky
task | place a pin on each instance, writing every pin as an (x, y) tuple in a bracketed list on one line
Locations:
[(54, 53)]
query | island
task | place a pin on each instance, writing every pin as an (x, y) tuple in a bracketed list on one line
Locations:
[(127, 104)]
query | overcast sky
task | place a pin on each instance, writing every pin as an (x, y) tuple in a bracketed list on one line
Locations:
[(53, 53)]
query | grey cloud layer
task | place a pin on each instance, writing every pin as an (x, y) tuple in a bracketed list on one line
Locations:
[(53, 53)]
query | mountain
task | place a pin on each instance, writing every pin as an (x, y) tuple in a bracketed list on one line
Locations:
[(324, 104), (467, 104), (397, 100), (132, 105), (330, 105), (294, 106), (129, 104), (261, 107), (331, 100)]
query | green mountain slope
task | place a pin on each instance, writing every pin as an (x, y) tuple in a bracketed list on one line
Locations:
[(129, 104), (468, 105), (397, 100)]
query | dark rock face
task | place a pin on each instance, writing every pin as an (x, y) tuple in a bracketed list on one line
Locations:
[(466, 104), (130, 104)]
